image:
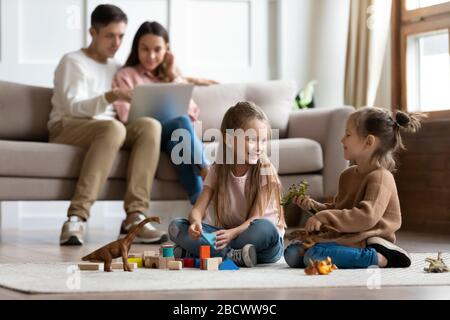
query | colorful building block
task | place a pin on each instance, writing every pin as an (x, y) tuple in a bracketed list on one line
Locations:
[(189, 263), (228, 265), (174, 265), (210, 238), (203, 264), (205, 252), (168, 252), (197, 263), (139, 261)]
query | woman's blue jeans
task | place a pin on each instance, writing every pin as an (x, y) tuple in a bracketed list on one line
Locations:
[(188, 173), (261, 233), (342, 256)]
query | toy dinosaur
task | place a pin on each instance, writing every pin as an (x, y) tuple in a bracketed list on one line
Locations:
[(436, 265), (294, 191), (118, 248), (323, 267), (310, 238)]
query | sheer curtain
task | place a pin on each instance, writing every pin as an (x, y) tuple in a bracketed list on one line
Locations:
[(369, 28)]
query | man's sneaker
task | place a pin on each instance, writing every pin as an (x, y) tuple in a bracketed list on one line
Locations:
[(148, 233), (245, 257), (73, 232), (396, 256)]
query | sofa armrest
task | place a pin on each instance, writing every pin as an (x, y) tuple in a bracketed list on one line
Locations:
[(326, 126)]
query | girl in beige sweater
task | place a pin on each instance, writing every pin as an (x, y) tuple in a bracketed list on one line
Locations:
[(366, 209)]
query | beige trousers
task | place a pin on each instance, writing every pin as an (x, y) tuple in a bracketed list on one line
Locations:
[(103, 140)]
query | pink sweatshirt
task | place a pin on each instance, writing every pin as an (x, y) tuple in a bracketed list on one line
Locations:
[(129, 78), (238, 200)]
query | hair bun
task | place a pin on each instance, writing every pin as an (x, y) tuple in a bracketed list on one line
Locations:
[(402, 119)]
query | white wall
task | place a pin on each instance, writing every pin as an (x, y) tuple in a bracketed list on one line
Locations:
[(221, 39), (313, 44)]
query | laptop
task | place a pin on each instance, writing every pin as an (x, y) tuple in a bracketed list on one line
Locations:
[(161, 101)]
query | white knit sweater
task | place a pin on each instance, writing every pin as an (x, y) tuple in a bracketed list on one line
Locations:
[(80, 84)]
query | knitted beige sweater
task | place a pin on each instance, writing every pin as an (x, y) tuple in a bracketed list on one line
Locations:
[(366, 205)]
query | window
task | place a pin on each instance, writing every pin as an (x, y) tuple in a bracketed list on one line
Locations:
[(421, 56), (416, 4), (428, 71)]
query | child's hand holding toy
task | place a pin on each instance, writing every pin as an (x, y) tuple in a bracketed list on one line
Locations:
[(195, 229), (224, 237), (297, 194), (307, 203), (312, 224)]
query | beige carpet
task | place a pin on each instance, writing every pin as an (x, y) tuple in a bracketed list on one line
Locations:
[(62, 278)]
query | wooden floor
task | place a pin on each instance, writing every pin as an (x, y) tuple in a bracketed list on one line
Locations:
[(38, 246)]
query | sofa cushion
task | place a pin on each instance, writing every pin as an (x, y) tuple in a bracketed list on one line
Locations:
[(299, 156), (49, 160), (295, 156), (276, 98), (24, 112)]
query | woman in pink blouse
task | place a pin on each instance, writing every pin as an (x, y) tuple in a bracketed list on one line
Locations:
[(151, 61)]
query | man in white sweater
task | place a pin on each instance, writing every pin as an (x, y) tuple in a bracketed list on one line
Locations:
[(83, 116)]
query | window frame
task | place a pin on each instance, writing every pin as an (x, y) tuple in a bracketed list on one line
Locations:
[(407, 23)]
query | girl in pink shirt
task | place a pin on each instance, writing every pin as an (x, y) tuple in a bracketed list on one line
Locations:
[(245, 191), (151, 61)]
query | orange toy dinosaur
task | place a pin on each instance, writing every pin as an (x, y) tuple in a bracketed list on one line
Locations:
[(118, 248), (323, 267)]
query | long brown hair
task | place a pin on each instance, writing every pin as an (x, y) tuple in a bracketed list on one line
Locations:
[(237, 117), (153, 28), (387, 128)]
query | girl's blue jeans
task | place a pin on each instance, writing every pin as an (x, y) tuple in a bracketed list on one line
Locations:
[(342, 256), (188, 173), (261, 233)]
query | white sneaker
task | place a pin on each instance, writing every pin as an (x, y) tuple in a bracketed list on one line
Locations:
[(73, 232)]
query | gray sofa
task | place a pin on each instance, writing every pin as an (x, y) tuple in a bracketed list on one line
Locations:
[(33, 169)]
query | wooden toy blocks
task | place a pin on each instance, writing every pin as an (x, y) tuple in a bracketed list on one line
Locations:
[(212, 263), (174, 265), (151, 262), (119, 265), (90, 266)]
